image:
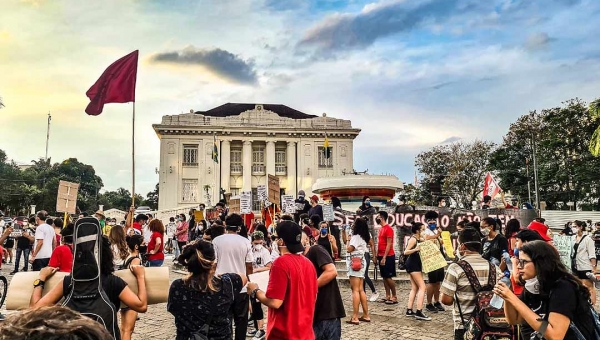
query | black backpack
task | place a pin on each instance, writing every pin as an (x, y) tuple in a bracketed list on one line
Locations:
[(84, 292)]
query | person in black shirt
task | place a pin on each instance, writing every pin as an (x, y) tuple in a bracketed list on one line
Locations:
[(329, 307), (316, 209), (24, 243), (493, 242), (562, 297), (366, 208), (302, 206)]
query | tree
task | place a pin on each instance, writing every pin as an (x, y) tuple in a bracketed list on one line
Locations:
[(119, 199), (458, 169), (152, 199)]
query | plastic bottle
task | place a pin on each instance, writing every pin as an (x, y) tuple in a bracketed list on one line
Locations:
[(496, 301), (506, 257)]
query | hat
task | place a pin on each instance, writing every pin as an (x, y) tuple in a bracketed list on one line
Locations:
[(541, 229), (291, 234), (301, 193), (314, 198), (527, 235), (101, 213)]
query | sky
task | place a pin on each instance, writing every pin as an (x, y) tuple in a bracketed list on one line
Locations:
[(411, 74)]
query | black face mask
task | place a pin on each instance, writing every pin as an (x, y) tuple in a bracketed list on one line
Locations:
[(143, 249)]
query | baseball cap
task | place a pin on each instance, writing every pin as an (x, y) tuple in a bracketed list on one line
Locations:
[(291, 234), (541, 229), (315, 198), (301, 193)]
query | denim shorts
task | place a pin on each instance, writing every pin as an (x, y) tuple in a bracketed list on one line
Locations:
[(356, 273)]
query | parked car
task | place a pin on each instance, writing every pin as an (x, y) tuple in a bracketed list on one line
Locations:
[(23, 221)]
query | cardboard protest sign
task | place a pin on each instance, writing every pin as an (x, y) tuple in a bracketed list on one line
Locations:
[(328, 214), (287, 204), (564, 245), (245, 202), (198, 215), (66, 199), (448, 244), (234, 205), (274, 190), (261, 193), (431, 257)]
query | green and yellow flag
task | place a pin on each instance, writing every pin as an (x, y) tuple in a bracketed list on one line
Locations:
[(326, 148), (215, 154)]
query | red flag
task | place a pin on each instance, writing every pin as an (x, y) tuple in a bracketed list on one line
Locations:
[(490, 187), (115, 85)]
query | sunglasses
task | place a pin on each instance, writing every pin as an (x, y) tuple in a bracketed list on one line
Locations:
[(522, 263)]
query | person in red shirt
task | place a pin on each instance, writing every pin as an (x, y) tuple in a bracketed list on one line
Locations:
[(62, 256), (156, 245), (292, 290), (386, 257)]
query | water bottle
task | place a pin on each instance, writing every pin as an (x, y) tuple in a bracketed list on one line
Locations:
[(506, 257), (593, 278), (495, 261), (496, 301)]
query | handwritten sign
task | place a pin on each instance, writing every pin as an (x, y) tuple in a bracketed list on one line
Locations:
[(246, 202), (448, 243), (234, 205), (287, 204), (431, 257), (66, 200), (328, 214), (274, 190), (564, 245), (261, 193)]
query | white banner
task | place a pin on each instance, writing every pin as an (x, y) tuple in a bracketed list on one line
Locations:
[(245, 202), (287, 204), (261, 193), (328, 212)]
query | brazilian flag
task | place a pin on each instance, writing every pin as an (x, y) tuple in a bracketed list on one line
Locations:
[(215, 154), (326, 148)]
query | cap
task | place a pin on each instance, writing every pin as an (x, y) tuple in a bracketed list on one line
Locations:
[(541, 229), (301, 193), (291, 234), (314, 198), (527, 235)]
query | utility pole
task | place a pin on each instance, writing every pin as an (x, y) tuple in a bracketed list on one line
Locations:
[(535, 174), (528, 180), (48, 135)]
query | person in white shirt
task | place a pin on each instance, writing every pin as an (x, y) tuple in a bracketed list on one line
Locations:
[(45, 240), (170, 244), (262, 262), (234, 255)]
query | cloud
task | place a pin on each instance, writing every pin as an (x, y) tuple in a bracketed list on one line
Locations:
[(218, 61), (451, 140), (537, 41)]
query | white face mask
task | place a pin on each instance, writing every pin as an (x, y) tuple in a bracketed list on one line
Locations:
[(485, 231), (532, 285), (258, 247)]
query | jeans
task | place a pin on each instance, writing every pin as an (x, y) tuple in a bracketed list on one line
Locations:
[(25, 257), (367, 280), (155, 263), (38, 264), (239, 309), (328, 329), (176, 247)]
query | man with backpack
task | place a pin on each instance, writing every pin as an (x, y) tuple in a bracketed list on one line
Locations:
[(466, 281)]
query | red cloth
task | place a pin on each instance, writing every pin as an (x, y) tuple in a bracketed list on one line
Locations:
[(58, 240), (1, 255), (287, 282), (385, 233), (115, 85), (516, 286), (62, 258), (248, 219), (137, 225), (159, 255)]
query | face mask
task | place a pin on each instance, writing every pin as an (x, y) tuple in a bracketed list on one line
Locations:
[(323, 231), (485, 232), (143, 249), (575, 230), (367, 203), (258, 247), (300, 198), (378, 220), (532, 286), (432, 226)]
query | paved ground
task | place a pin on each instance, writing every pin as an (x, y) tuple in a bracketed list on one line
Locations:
[(388, 321)]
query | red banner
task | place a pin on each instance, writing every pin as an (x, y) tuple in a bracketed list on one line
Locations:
[(490, 187)]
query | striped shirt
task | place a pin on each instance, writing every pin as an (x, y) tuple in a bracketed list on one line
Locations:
[(456, 281)]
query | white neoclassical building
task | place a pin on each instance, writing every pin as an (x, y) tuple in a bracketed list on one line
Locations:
[(253, 140)]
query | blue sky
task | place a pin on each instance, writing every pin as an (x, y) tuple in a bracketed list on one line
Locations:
[(411, 74)]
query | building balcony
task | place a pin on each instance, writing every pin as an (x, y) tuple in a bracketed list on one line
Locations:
[(189, 164), (280, 170), (236, 169), (258, 169)]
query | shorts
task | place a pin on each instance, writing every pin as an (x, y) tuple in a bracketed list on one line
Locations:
[(357, 273), (581, 274), (435, 276), (9, 244), (389, 269)]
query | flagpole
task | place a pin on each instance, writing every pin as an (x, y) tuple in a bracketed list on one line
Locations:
[(48, 135), (133, 157)]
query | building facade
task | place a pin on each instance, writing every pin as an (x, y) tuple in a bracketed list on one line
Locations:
[(252, 141)]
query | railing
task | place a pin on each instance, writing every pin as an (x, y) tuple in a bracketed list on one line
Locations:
[(280, 169), (258, 169), (189, 164), (236, 168)]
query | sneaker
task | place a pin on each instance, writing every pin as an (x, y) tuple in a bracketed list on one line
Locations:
[(420, 316), (439, 307), (409, 313), (251, 333), (260, 334), (431, 308), (374, 297)]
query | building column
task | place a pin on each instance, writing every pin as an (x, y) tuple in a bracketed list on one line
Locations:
[(225, 164), (291, 168), (247, 166), (270, 157)]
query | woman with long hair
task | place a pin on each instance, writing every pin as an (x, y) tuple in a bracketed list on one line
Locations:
[(357, 247), (118, 246), (201, 301), (513, 226), (156, 255), (415, 269), (128, 315), (583, 257), (563, 299), (366, 208)]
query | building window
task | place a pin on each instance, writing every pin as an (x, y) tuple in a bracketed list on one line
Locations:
[(258, 159), (190, 155), (235, 192), (280, 162), (325, 162), (236, 161), (189, 190), (255, 201)]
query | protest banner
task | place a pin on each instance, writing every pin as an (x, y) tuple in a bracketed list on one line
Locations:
[(448, 244), (287, 204), (564, 245), (261, 193), (66, 198), (274, 190), (328, 214), (245, 202), (431, 257), (234, 205)]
